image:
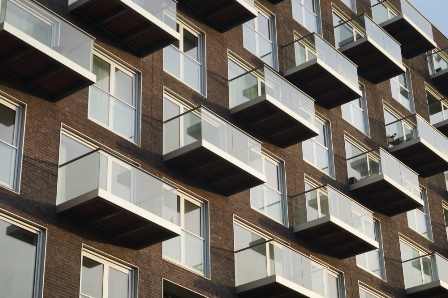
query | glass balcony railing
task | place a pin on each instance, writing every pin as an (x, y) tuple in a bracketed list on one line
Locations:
[(119, 182), (313, 47), (42, 28), (413, 128), (374, 163), (326, 201), (438, 109), (258, 44), (268, 258), (438, 62), (202, 126), (268, 84), (413, 16), (421, 271)]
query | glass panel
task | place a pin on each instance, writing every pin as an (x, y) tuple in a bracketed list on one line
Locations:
[(18, 261), (436, 113), (191, 45), (7, 125), (242, 89), (194, 252), (305, 13), (171, 141), (165, 10), (8, 165), (121, 181), (171, 60), (344, 32), (193, 218), (92, 278), (124, 87), (118, 284), (102, 71), (70, 149), (123, 120), (99, 106), (412, 15)]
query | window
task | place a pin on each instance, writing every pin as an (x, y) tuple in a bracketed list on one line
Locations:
[(270, 198), (445, 217), (402, 90), (417, 265), (350, 4), (365, 292), (114, 100), (419, 219), (317, 151), (11, 131), (71, 147), (344, 32), (307, 13), (355, 113), (105, 278), (190, 249), (373, 261), (360, 162), (259, 38), (185, 59), (438, 108), (22, 255), (381, 11)]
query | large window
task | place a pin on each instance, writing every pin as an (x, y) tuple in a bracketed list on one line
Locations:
[(307, 13), (190, 249), (373, 261), (185, 59), (270, 198), (114, 100), (318, 150), (11, 128), (259, 37), (419, 219), (401, 89), (21, 259), (355, 113), (104, 278)]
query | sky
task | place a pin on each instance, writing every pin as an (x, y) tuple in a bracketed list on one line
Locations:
[(435, 11)]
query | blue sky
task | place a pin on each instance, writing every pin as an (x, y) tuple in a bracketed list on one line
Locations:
[(435, 11)]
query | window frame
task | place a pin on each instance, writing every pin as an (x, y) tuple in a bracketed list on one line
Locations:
[(109, 262), (302, 8), (115, 63), (19, 136)]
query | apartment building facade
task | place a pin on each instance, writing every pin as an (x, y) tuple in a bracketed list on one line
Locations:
[(225, 148)]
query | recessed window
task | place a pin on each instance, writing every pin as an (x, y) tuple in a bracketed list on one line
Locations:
[(318, 150), (373, 261), (259, 37), (114, 100), (190, 249), (307, 14), (21, 259), (401, 89), (105, 278), (185, 59), (355, 113), (419, 219), (270, 198), (11, 128)]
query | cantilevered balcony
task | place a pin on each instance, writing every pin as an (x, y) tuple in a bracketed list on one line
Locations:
[(321, 71), (438, 70), (269, 269), (41, 53), (383, 183), (419, 145), (426, 276), (270, 107), (222, 15), (138, 26), (121, 203), (377, 54), (333, 223), (410, 28), (213, 152), (438, 113)]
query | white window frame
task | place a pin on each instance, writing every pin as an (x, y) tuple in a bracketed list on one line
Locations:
[(328, 137), (41, 247), (298, 5), (281, 177), (115, 64), (109, 263), (182, 26), (350, 106), (19, 136), (182, 197), (422, 211)]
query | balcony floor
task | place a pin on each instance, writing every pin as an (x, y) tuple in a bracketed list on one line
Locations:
[(413, 43), (221, 15), (420, 158), (442, 126), (113, 223), (267, 121), (211, 171), (328, 90), (440, 81), (125, 26), (26, 68), (329, 238), (368, 57), (270, 287), (377, 194)]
